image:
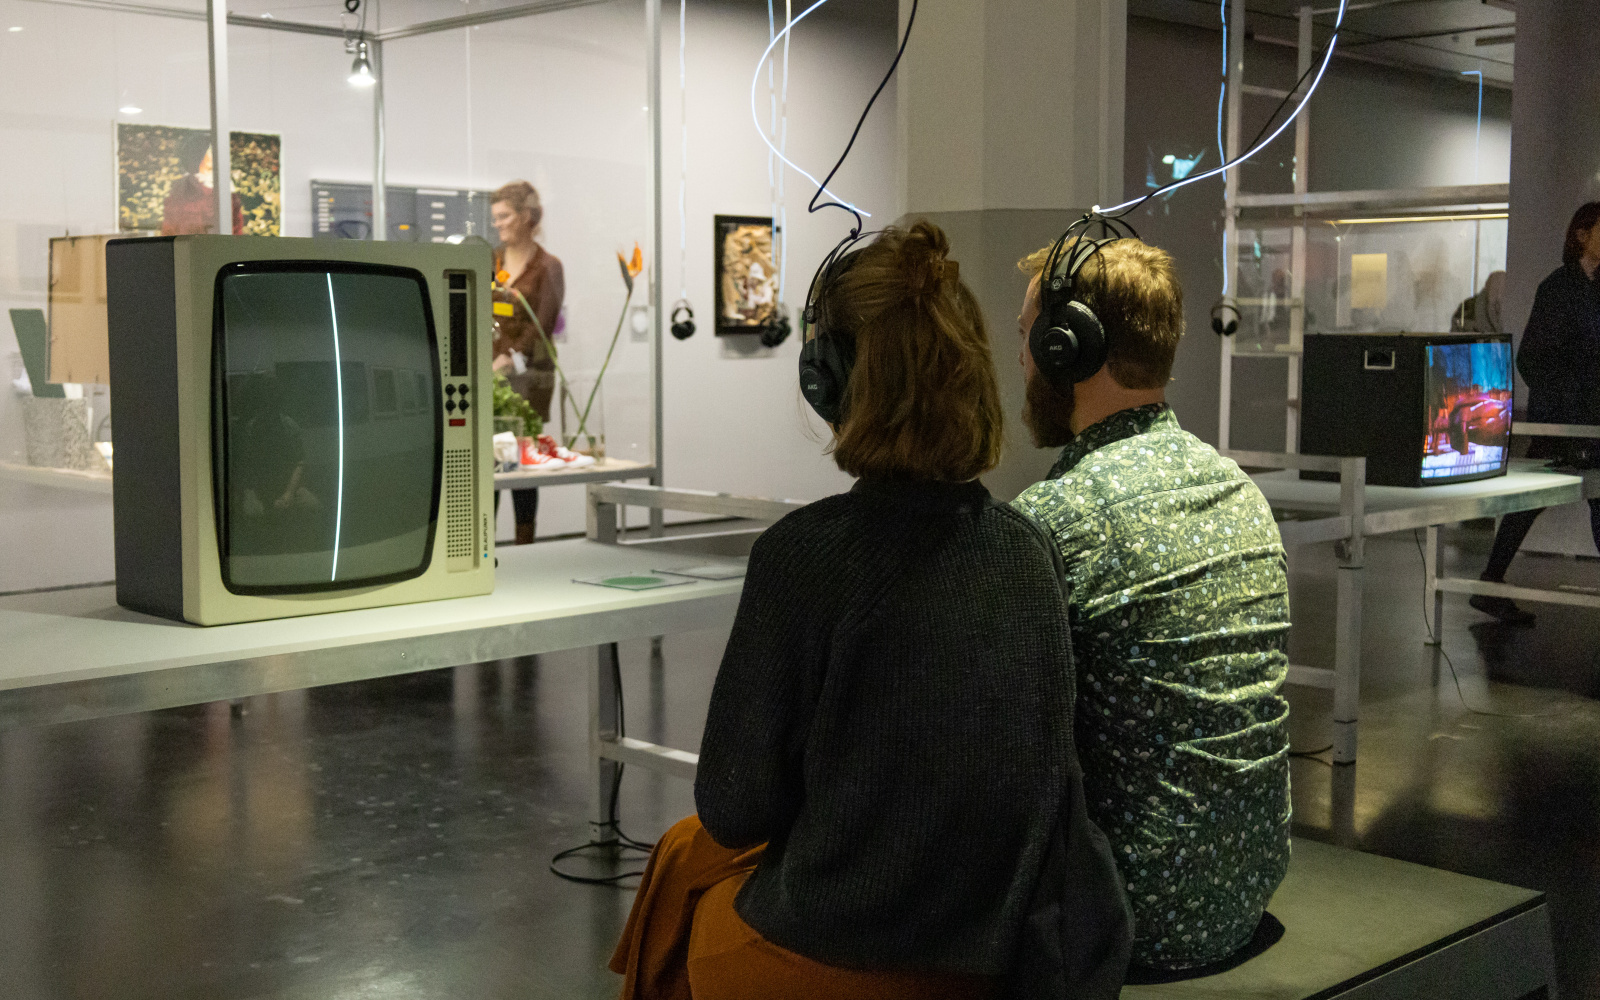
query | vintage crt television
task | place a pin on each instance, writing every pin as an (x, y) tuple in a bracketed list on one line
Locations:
[(301, 425), (1424, 408)]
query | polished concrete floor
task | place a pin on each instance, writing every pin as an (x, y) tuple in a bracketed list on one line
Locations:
[(391, 839)]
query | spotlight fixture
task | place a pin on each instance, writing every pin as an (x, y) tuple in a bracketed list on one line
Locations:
[(129, 109), (361, 74), (14, 28)]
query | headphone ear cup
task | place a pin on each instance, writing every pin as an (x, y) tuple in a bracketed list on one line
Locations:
[(1068, 347), (1091, 337), (1054, 349), (825, 375)]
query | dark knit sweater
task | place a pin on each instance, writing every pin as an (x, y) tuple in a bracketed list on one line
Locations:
[(893, 716)]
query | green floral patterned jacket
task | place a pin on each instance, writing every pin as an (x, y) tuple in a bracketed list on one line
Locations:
[(1180, 617)]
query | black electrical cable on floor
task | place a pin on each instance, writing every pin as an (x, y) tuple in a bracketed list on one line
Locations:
[(1312, 754), (623, 841), (1438, 642)]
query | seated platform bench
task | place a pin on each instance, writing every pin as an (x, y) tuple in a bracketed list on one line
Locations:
[(1362, 927)]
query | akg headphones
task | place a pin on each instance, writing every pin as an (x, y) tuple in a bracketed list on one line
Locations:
[(683, 329), (828, 356), (1225, 317), (1067, 341)]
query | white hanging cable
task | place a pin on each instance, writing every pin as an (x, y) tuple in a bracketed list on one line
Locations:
[(1222, 151), (756, 116), (1227, 165), (773, 170), (783, 146), (683, 148)]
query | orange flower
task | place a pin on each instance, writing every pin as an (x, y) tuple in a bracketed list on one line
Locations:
[(502, 277), (631, 268)]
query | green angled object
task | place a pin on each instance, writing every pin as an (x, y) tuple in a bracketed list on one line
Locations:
[(33, 339)]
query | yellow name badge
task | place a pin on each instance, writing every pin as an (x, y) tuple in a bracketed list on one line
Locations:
[(503, 309)]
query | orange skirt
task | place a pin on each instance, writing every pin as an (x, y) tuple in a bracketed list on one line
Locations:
[(685, 941)]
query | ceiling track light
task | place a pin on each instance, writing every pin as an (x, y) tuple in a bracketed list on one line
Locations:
[(361, 74)]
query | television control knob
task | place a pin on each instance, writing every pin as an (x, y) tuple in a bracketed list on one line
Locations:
[(463, 406), (450, 389), (450, 405), (465, 389)]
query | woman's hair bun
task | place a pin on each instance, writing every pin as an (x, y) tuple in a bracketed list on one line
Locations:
[(924, 260)]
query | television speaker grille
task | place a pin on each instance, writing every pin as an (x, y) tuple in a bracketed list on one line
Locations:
[(459, 480)]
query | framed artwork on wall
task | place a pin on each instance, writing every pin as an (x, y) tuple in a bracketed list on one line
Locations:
[(746, 275), (164, 181)]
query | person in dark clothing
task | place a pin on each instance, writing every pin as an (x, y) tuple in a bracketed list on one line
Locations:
[(1559, 358), (893, 716)]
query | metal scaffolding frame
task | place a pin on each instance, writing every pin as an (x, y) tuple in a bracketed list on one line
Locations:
[(1304, 204)]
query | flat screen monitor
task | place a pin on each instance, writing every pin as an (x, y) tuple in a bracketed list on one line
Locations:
[(297, 428), (1467, 389)]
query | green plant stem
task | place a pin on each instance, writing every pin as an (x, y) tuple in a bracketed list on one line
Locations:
[(583, 420), (549, 345)]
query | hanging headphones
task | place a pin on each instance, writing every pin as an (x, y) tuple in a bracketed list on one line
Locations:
[(1225, 317), (776, 330), (683, 329), (1067, 341), (829, 354)]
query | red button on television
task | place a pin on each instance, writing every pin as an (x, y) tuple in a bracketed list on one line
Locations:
[(458, 422)]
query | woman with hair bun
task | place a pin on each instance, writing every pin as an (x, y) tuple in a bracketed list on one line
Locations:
[(890, 801), (521, 352)]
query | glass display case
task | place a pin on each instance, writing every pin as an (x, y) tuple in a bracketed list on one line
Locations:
[(1402, 273), (469, 103)]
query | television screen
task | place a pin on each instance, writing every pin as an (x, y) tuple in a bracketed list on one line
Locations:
[(327, 427), (1468, 392)]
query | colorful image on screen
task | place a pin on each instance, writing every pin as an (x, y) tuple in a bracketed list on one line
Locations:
[(1469, 409)]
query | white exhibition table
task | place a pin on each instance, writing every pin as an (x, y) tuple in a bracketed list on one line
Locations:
[(75, 654), (1345, 513)]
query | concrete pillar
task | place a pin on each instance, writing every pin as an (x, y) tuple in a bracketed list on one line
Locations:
[(1010, 121), (1555, 142)]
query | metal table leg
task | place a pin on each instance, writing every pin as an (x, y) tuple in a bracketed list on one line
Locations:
[(604, 725), (1433, 559), (1347, 636), (1347, 648)]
